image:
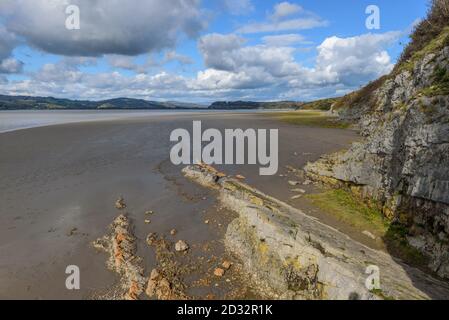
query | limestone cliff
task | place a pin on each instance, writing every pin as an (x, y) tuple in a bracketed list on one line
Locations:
[(403, 160)]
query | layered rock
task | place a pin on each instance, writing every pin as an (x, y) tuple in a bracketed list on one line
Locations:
[(403, 161), (290, 255)]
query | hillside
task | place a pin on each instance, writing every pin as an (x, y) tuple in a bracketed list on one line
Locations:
[(50, 103), (250, 105), (402, 164)]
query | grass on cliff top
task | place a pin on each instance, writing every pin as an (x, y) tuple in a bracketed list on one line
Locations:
[(346, 208), (351, 210), (311, 119)]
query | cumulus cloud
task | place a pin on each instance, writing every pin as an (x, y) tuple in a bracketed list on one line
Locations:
[(234, 70), (11, 65), (7, 43), (107, 26), (356, 60), (228, 53), (284, 9)]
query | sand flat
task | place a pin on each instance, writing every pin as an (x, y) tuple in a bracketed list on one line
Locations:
[(61, 177)]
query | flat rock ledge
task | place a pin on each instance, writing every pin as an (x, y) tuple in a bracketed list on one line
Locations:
[(290, 255)]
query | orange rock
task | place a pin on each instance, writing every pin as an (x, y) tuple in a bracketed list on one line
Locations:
[(240, 177), (219, 272), (220, 175), (133, 292), (226, 264)]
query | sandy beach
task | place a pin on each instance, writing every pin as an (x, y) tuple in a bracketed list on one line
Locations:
[(59, 184)]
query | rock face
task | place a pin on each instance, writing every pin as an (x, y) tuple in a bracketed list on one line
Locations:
[(403, 161), (289, 255)]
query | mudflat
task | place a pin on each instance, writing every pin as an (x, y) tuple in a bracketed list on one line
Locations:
[(59, 184)]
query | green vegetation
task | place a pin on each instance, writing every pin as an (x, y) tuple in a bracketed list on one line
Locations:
[(323, 104), (437, 43), (346, 208), (355, 212), (312, 119), (381, 294), (430, 35), (363, 96), (427, 31)]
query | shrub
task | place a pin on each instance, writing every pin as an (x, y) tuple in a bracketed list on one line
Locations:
[(427, 30)]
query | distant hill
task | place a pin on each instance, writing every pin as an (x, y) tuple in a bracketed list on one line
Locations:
[(50, 103), (251, 105)]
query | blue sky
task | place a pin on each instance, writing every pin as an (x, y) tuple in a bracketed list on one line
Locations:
[(199, 51)]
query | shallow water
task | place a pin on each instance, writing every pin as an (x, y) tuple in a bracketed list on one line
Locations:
[(26, 119), (16, 120)]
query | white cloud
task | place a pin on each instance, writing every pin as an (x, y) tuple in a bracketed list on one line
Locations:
[(11, 65), (287, 25), (234, 70), (284, 9), (285, 17), (107, 26), (7, 43), (356, 60)]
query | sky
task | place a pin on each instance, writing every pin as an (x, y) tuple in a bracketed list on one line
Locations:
[(200, 51)]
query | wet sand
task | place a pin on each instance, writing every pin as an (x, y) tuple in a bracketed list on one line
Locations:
[(61, 178)]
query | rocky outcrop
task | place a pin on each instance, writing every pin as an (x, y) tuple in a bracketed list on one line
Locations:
[(403, 161), (121, 246), (290, 255)]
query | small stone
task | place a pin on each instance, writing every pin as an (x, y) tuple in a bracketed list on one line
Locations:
[(299, 190), (240, 177), (147, 221), (120, 204), (173, 232), (226, 264), (293, 183), (154, 274), (149, 212), (151, 238), (206, 221), (151, 288), (219, 272), (296, 197), (181, 246), (307, 182), (72, 232)]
